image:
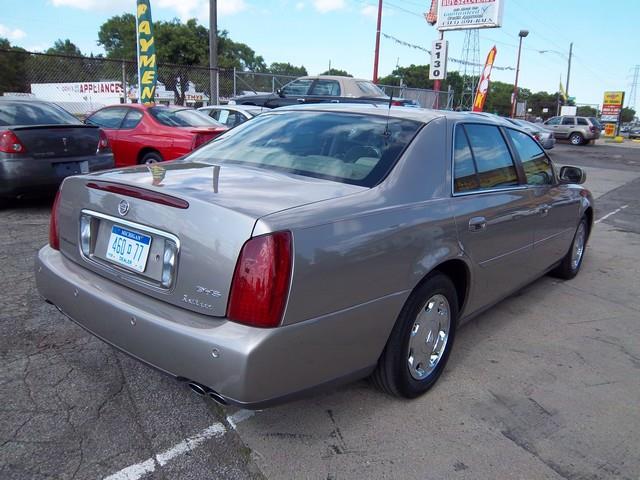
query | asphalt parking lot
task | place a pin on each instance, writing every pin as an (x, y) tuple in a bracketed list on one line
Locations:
[(543, 386)]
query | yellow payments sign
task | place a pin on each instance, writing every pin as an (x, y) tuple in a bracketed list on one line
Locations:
[(147, 69)]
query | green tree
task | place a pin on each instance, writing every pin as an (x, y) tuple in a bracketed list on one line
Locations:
[(587, 111), (64, 47), (13, 76), (118, 37), (336, 71), (628, 114), (281, 68)]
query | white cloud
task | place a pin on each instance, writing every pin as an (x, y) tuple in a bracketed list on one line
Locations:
[(11, 33), (370, 11), (324, 6), (111, 5)]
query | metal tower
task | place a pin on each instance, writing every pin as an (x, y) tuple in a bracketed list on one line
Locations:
[(633, 93), (472, 67)]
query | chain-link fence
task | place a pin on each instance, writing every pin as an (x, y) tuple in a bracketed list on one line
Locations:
[(84, 84)]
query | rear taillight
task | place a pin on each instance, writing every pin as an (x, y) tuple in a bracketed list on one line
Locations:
[(537, 137), (54, 233), (10, 143), (396, 103), (593, 129), (261, 281), (103, 142)]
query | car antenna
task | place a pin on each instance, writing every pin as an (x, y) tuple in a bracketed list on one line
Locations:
[(386, 132)]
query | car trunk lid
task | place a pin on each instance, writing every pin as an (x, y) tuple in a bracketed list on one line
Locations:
[(200, 213), (48, 141)]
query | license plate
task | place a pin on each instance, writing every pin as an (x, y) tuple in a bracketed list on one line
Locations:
[(65, 169), (128, 248)]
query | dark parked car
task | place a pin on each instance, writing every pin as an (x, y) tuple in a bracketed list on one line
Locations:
[(314, 245), (41, 144), (323, 89)]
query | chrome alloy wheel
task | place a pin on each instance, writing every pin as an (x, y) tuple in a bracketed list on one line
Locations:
[(578, 246), (429, 335)]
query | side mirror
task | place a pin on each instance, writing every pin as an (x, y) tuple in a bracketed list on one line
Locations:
[(570, 174), (280, 92)]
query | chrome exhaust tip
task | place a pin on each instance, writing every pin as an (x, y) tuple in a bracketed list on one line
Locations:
[(216, 397), (197, 388)]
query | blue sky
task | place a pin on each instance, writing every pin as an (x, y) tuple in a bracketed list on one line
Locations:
[(314, 32)]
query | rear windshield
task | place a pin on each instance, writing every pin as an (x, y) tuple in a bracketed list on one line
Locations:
[(343, 147), (370, 89), (184, 117), (34, 113), (596, 123)]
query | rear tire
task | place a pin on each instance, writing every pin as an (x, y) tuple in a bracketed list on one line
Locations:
[(576, 139), (150, 157), (572, 261), (419, 345)]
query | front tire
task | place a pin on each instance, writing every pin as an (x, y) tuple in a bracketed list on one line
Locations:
[(421, 340), (572, 261), (576, 139)]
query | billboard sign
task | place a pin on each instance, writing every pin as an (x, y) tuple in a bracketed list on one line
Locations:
[(483, 84), (466, 14), (612, 106)]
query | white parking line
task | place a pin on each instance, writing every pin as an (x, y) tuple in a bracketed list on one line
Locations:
[(611, 213), (239, 416), (134, 472)]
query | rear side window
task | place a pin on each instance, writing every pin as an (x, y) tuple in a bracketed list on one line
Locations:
[(465, 175), (343, 147), (108, 117), (326, 87), (582, 121), (34, 113), (132, 119), (491, 155), (568, 121), (537, 167)]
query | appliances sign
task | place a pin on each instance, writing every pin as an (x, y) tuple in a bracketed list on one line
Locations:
[(466, 14)]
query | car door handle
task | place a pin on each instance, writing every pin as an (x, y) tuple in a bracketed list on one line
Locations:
[(301, 100), (543, 210), (477, 224)]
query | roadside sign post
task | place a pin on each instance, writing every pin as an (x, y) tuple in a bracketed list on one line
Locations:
[(612, 108), (438, 67)]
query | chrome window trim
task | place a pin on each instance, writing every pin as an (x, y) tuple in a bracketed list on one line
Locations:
[(487, 190), (124, 273)]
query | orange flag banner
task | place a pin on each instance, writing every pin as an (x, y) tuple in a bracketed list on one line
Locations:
[(483, 84)]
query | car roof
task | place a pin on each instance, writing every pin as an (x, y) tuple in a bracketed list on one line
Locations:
[(423, 115), (234, 107), (333, 77)]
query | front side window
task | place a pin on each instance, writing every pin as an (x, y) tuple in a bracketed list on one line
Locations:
[(537, 167), (326, 87), (343, 147), (108, 117), (464, 169), (493, 160), (298, 87), (568, 121)]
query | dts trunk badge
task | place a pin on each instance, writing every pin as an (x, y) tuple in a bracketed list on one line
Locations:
[(123, 207)]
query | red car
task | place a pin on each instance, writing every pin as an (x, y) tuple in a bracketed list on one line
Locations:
[(147, 134)]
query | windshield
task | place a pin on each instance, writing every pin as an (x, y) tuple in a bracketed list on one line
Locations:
[(34, 113), (343, 147), (184, 117)]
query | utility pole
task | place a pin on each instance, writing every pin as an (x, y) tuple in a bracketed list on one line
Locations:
[(213, 52), (522, 34), (566, 90), (377, 52)]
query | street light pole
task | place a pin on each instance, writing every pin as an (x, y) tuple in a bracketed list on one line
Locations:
[(566, 89), (377, 52), (514, 102), (213, 52)]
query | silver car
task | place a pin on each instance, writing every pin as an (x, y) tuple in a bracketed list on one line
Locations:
[(232, 115), (313, 245), (545, 137)]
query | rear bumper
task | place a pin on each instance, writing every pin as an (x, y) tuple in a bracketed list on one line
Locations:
[(28, 176), (253, 368)]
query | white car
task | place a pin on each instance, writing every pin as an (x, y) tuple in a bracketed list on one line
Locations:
[(232, 115)]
